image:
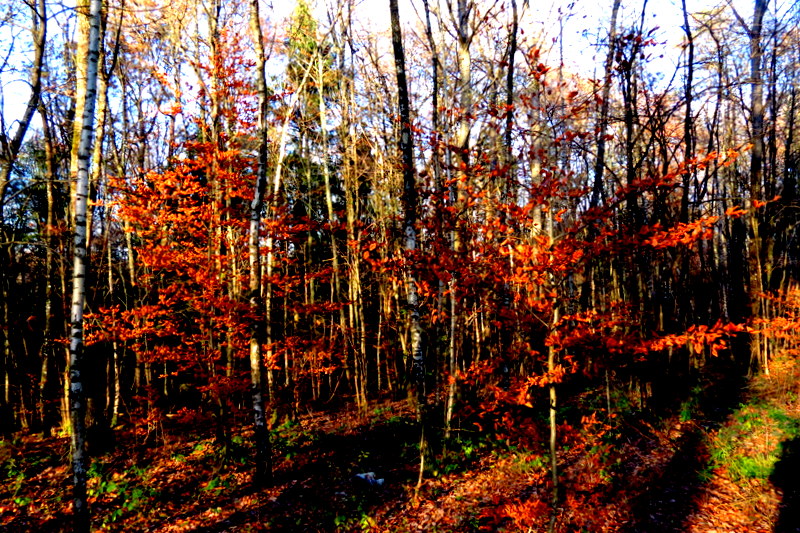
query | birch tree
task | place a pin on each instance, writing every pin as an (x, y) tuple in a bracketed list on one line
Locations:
[(263, 448), (80, 458), (406, 148)]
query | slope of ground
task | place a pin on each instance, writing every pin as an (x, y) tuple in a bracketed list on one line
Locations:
[(726, 461)]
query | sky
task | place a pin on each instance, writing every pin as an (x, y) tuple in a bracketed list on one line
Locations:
[(584, 21)]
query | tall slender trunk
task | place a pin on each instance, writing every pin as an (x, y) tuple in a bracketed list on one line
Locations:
[(688, 120), (326, 173), (459, 196), (268, 289), (689, 172), (96, 167), (80, 458), (79, 102), (439, 209), (512, 52), (552, 362), (452, 363), (435, 121), (598, 187), (99, 428), (553, 414), (49, 346), (263, 471), (608, 71), (756, 173), (464, 58), (406, 149)]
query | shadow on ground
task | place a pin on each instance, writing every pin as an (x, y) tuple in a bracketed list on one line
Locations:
[(785, 477), (669, 501), (322, 494)]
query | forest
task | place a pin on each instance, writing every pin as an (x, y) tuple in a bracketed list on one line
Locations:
[(399, 265)]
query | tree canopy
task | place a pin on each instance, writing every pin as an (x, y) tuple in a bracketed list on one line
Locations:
[(270, 213)]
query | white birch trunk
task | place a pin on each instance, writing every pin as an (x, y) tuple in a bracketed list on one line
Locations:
[(77, 395), (263, 471)]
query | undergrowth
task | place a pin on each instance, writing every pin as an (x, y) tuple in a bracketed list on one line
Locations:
[(753, 441)]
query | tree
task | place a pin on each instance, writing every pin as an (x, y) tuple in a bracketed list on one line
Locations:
[(605, 100), (410, 232), (756, 185), (77, 362), (532, 253), (263, 448), (10, 146)]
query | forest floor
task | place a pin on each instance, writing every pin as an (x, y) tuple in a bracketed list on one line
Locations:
[(727, 459)]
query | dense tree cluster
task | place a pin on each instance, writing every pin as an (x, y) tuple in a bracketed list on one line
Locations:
[(261, 217)]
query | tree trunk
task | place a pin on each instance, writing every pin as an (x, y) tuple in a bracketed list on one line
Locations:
[(512, 52), (553, 417), (406, 149), (263, 471), (688, 120), (756, 173), (270, 241), (10, 150), (80, 458), (465, 7), (47, 392), (598, 188), (436, 127), (599, 163)]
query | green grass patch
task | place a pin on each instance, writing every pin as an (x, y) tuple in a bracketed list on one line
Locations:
[(690, 406), (126, 492), (290, 438), (750, 445)]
